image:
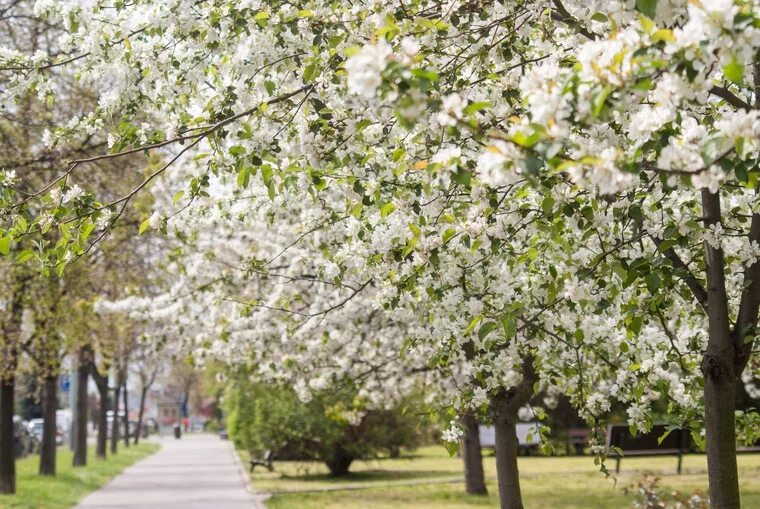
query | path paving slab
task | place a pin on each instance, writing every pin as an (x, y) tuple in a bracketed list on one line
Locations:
[(198, 471)]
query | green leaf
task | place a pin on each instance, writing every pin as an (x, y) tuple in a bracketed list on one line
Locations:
[(243, 177), (448, 234), (476, 107), (452, 448), (266, 174), (647, 7), (177, 196), (310, 72), (635, 326), (486, 329), (24, 256), (386, 209), (5, 245), (462, 177), (237, 151), (663, 436), (427, 75), (734, 71), (653, 281), (85, 232), (508, 324), (666, 244), (664, 35), (530, 165), (143, 226), (474, 323), (599, 100), (599, 16)]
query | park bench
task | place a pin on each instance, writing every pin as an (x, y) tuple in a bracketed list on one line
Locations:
[(577, 440), (528, 437), (648, 444), (265, 461)]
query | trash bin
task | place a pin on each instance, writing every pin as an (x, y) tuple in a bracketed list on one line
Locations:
[(177, 431)]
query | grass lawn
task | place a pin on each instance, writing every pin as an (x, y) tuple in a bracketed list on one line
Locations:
[(559, 482), (71, 484)]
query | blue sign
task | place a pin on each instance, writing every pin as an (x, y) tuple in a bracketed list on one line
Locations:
[(65, 381)]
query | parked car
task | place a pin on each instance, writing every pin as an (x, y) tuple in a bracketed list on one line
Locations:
[(23, 442), (35, 428)]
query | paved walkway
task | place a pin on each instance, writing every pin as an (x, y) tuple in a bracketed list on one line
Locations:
[(196, 472)]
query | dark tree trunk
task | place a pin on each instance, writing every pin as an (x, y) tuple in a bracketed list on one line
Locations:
[(506, 448), (80, 442), (505, 406), (7, 452), (340, 462), (475, 482), (126, 413), (101, 381), (720, 376), (102, 439), (115, 423), (49, 428), (140, 412)]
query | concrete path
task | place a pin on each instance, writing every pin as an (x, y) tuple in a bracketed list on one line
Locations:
[(195, 472)]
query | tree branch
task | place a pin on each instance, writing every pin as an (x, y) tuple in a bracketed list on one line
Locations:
[(730, 97), (746, 320), (689, 278)]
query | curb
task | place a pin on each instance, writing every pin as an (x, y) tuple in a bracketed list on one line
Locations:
[(258, 498)]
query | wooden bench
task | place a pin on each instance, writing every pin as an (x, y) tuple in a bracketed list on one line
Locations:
[(266, 461), (648, 444), (577, 440)]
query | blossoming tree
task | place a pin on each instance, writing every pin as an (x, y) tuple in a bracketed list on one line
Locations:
[(533, 180)]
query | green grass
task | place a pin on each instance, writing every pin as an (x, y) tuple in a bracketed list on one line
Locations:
[(71, 484), (559, 482)]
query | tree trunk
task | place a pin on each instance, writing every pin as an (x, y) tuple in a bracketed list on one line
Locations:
[(505, 406), (80, 443), (720, 379), (101, 381), (140, 412), (102, 440), (506, 448), (115, 422), (48, 446), (475, 482), (339, 462), (7, 452), (126, 414)]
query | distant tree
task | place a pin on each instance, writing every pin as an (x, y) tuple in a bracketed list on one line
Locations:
[(328, 428)]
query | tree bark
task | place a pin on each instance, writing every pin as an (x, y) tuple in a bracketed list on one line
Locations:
[(505, 405), (140, 414), (475, 482), (720, 378), (48, 447), (7, 452), (101, 381), (80, 443), (115, 422), (339, 461), (126, 413), (506, 448)]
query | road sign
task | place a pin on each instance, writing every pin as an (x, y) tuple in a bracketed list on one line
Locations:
[(65, 382)]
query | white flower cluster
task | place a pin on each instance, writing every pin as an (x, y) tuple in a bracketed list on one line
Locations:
[(453, 433), (365, 68)]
